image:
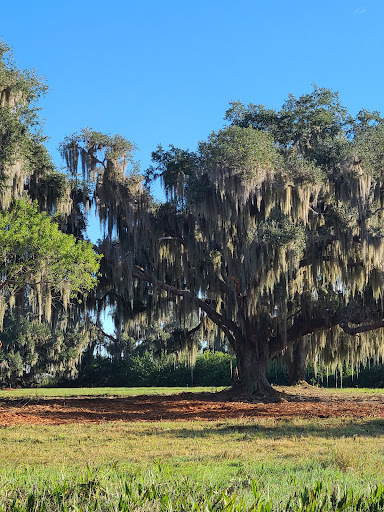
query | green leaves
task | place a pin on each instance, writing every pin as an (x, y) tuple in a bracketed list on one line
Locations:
[(172, 166), (30, 350), (34, 251), (19, 92), (246, 152), (313, 124), (279, 231), (39, 264), (369, 148), (95, 148)]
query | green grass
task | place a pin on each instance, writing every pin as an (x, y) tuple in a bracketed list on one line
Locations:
[(263, 464), (278, 458), (160, 490), (108, 391), (119, 391), (356, 391)]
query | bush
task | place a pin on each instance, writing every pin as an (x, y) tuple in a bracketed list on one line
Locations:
[(211, 369)]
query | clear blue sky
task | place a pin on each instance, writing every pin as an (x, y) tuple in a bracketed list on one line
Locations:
[(165, 71)]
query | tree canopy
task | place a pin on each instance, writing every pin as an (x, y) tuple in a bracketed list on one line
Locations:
[(35, 253), (270, 236), (45, 271), (272, 231)]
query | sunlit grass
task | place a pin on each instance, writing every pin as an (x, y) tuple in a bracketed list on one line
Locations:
[(197, 461), (275, 452), (122, 392), (349, 445), (107, 391), (354, 391)]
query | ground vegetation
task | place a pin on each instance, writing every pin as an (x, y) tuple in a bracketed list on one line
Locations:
[(79, 458)]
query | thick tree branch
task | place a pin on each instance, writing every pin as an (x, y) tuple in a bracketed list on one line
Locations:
[(177, 238), (353, 331), (315, 212), (106, 335), (229, 328), (302, 327), (371, 214), (195, 329)]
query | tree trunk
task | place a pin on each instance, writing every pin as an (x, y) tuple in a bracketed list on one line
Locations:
[(252, 360), (295, 358)]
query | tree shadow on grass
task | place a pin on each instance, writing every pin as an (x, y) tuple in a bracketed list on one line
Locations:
[(285, 429)]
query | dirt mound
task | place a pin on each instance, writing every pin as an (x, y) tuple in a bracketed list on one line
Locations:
[(300, 402)]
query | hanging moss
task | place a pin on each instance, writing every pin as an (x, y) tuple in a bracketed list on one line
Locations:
[(271, 231)]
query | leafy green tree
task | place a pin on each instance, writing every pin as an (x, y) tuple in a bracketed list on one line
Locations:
[(21, 136), (32, 352), (272, 231), (45, 273), (316, 125), (36, 254), (26, 168)]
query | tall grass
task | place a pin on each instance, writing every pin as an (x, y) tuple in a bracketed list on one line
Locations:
[(160, 490), (231, 465)]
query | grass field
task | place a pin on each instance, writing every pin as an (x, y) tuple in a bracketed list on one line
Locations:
[(108, 391), (233, 465), (71, 392)]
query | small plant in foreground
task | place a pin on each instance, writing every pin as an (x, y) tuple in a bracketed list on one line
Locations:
[(149, 492)]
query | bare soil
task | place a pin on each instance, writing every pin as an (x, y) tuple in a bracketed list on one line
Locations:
[(301, 401)]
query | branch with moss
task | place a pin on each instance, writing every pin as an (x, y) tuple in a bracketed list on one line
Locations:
[(229, 328)]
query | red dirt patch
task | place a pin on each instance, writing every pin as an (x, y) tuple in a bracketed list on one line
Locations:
[(299, 402)]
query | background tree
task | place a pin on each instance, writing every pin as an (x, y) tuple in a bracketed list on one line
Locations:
[(45, 272), (32, 352), (35, 254)]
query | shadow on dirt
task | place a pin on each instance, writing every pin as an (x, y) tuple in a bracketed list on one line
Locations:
[(305, 403)]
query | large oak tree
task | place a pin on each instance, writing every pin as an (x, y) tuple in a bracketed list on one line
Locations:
[(272, 230)]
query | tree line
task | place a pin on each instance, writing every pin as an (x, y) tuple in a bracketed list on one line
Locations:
[(269, 241)]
